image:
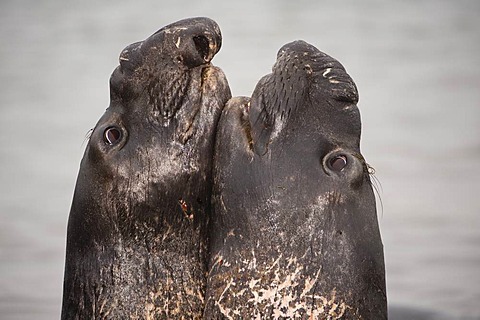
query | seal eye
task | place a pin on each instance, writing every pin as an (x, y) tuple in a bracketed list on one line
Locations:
[(112, 135), (338, 162)]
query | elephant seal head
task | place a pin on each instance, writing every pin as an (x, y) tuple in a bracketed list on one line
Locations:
[(136, 240), (294, 231)]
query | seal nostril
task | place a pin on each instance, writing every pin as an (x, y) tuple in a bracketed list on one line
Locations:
[(203, 46), (112, 135), (338, 162)]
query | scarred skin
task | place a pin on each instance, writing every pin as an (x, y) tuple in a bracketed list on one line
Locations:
[(136, 242), (294, 230)]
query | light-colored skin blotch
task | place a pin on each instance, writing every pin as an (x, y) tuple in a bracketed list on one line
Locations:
[(267, 283)]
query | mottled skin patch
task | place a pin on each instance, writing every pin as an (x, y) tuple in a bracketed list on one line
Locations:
[(291, 236), (274, 289), (136, 241)]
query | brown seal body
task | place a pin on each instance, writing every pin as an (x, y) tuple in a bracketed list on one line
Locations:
[(294, 231), (136, 240)]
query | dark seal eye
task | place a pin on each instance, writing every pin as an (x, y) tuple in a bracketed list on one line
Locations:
[(112, 135), (338, 162)]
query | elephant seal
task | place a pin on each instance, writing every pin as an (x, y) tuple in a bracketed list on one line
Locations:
[(136, 238), (294, 230)]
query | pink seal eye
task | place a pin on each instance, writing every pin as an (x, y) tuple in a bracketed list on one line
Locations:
[(338, 162), (112, 135)]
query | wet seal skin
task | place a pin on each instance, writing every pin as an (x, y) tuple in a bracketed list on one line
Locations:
[(294, 231), (136, 240)]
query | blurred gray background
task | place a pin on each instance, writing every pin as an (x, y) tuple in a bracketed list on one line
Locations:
[(417, 67)]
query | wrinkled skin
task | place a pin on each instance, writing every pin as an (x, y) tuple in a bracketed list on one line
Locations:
[(294, 229), (136, 239)]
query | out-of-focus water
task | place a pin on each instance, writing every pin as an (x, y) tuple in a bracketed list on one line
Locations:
[(417, 66)]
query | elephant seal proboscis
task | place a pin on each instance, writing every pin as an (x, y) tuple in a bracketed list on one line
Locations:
[(294, 229), (136, 239)]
